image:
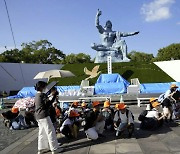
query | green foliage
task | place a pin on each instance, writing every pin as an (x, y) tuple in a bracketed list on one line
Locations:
[(77, 58), (168, 53), (12, 56), (41, 52), (145, 72), (140, 56), (34, 52)]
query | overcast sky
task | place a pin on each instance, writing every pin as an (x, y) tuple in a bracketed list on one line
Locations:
[(70, 24)]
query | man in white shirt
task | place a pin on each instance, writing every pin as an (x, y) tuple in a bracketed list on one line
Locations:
[(126, 120)]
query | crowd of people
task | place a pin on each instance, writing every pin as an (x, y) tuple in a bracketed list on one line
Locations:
[(91, 117)]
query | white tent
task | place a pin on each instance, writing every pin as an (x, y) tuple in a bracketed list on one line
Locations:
[(171, 68)]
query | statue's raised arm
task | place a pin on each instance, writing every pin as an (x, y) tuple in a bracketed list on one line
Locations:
[(99, 27)]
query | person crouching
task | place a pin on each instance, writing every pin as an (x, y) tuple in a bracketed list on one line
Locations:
[(126, 119), (154, 119), (69, 128), (108, 114), (94, 122)]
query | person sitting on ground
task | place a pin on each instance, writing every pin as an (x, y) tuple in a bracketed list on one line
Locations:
[(74, 106), (168, 102), (116, 109), (84, 108), (69, 127), (94, 122), (154, 119), (13, 119), (30, 117), (108, 114), (126, 120), (84, 111)]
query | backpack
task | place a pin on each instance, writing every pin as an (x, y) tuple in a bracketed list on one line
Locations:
[(127, 113), (161, 98), (142, 116)]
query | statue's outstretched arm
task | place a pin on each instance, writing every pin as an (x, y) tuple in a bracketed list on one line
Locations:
[(99, 27), (129, 34)]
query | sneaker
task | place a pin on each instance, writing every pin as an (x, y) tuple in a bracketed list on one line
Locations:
[(117, 133), (59, 150)]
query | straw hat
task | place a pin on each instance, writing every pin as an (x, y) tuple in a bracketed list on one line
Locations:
[(14, 110), (152, 100), (73, 114), (106, 104), (83, 104), (155, 104), (121, 106), (174, 86), (95, 103)]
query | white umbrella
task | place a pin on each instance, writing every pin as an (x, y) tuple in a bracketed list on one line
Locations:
[(54, 74)]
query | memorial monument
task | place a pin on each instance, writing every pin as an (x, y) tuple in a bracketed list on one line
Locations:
[(111, 43)]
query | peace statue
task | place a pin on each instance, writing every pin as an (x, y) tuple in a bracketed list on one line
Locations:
[(111, 43)]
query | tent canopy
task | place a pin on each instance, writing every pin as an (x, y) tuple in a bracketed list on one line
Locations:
[(111, 84)]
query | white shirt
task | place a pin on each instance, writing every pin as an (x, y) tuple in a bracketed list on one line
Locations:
[(66, 122), (153, 114), (123, 117), (167, 93)]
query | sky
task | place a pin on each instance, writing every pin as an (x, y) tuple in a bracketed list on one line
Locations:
[(70, 24)]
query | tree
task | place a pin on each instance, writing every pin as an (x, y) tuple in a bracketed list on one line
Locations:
[(41, 52), (168, 53), (34, 52), (77, 58), (83, 58), (140, 56), (12, 56)]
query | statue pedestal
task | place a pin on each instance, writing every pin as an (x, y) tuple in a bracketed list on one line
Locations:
[(101, 57)]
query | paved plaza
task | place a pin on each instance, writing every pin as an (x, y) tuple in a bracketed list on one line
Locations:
[(162, 141)]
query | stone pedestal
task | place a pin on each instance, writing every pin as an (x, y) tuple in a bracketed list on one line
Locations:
[(101, 57)]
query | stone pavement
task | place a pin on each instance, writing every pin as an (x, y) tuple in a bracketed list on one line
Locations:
[(7, 136), (163, 141)]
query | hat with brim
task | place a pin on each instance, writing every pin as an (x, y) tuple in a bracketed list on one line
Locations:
[(73, 114), (95, 103), (83, 104), (122, 106), (155, 104), (116, 106), (152, 100), (75, 103), (15, 110), (106, 104), (174, 86)]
